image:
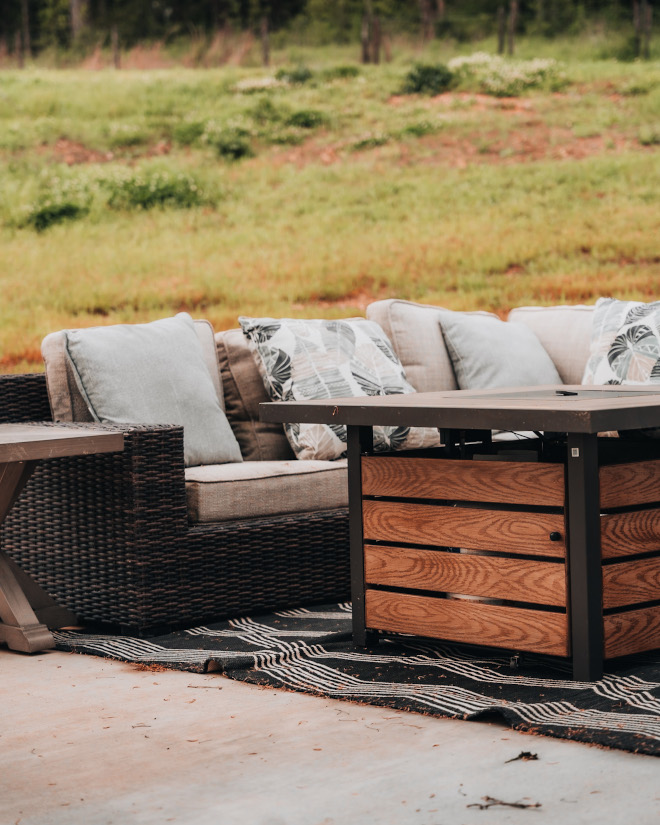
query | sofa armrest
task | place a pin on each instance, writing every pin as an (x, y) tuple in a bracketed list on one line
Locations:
[(89, 529), (24, 398)]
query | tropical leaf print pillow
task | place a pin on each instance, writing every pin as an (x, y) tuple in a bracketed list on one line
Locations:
[(625, 343), (301, 359)]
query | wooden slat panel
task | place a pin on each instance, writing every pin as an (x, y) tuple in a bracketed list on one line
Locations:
[(631, 582), (622, 485), (624, 534), (501, 482), (519, 580), (474, 529), (632, 632), (470, 622)]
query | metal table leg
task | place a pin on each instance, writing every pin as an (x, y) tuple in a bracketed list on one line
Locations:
[(584, 557)]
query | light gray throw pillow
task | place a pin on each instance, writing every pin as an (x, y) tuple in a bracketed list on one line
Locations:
[(154, 374), (487, 353)]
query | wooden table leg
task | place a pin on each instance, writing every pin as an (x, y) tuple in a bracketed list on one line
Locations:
[(21, 628)]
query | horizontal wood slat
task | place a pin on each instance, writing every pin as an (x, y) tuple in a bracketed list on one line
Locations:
[(475, 529), (537, 582), (490, 481), (631, 582), (632, 632), (624, 534), (475, 623), (622, 485)]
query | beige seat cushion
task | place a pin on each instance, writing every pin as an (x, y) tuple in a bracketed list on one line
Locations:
[(244, 390), (416, 335), (565, 332), (223, 492)]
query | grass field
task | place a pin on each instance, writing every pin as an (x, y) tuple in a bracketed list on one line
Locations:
[(128, 196)]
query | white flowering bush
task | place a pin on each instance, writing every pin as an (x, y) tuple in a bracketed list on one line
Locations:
[(59, 199), (495, 75), (250, 85)]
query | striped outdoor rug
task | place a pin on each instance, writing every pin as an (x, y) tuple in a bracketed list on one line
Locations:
[(310, 650)]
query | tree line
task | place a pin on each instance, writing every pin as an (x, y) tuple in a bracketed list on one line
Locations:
[(30, 26)]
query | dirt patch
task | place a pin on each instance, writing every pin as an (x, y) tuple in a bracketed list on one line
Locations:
[(71, 153), (530, 140), (475, 102)]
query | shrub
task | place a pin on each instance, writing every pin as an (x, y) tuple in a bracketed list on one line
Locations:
[(265, 111), (127, 134), (188, 132), (233, 145), (423, 127), (47, 213), (370, 142), (153, 189), (649, 135), (340, 72), (298, 75), (59, 200), (250, 85), (430, 79), (232, 141), (494, 75), (306, 119)]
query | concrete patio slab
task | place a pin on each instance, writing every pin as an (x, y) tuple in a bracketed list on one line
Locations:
[(88, 741)]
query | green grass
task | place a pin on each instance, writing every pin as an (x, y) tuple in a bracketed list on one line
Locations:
[(350, 192)]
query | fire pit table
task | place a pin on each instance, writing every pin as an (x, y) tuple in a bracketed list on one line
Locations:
[(549, 544)]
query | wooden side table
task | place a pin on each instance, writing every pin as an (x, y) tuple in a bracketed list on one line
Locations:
[(26, 610)]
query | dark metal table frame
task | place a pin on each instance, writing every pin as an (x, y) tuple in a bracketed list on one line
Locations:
[(26, 610), (579, 412)]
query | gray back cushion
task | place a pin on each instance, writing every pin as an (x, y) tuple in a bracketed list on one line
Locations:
[(416, 336), (564, 331), (488, 353), (156, 373), (243, 392)]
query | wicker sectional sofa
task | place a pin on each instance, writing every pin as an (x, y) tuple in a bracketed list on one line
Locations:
[(138, 541)]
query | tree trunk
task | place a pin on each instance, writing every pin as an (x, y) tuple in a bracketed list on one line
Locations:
[(540, 12), (440, 10), (265, 40), (26, 46), (18, 49), (511, 26), (114, 40), (375, 39), (364, 39), (501, 29), (76, 18), (646, 13), (427, 16)]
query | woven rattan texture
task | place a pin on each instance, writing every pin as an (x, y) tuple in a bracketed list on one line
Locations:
[(107, 536)]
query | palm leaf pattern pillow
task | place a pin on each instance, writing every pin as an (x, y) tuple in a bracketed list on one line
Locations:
[(625, 343), (301, 359)]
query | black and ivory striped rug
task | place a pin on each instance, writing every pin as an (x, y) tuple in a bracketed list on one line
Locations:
[(310, 650)]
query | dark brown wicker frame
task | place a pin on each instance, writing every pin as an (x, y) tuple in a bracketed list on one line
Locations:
[(107, 536)]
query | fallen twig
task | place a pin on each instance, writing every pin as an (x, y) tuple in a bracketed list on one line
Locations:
[(490, 802), (525, 756)]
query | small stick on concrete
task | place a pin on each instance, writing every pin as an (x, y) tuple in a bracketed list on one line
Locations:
[(491, 802), (525, 756)]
